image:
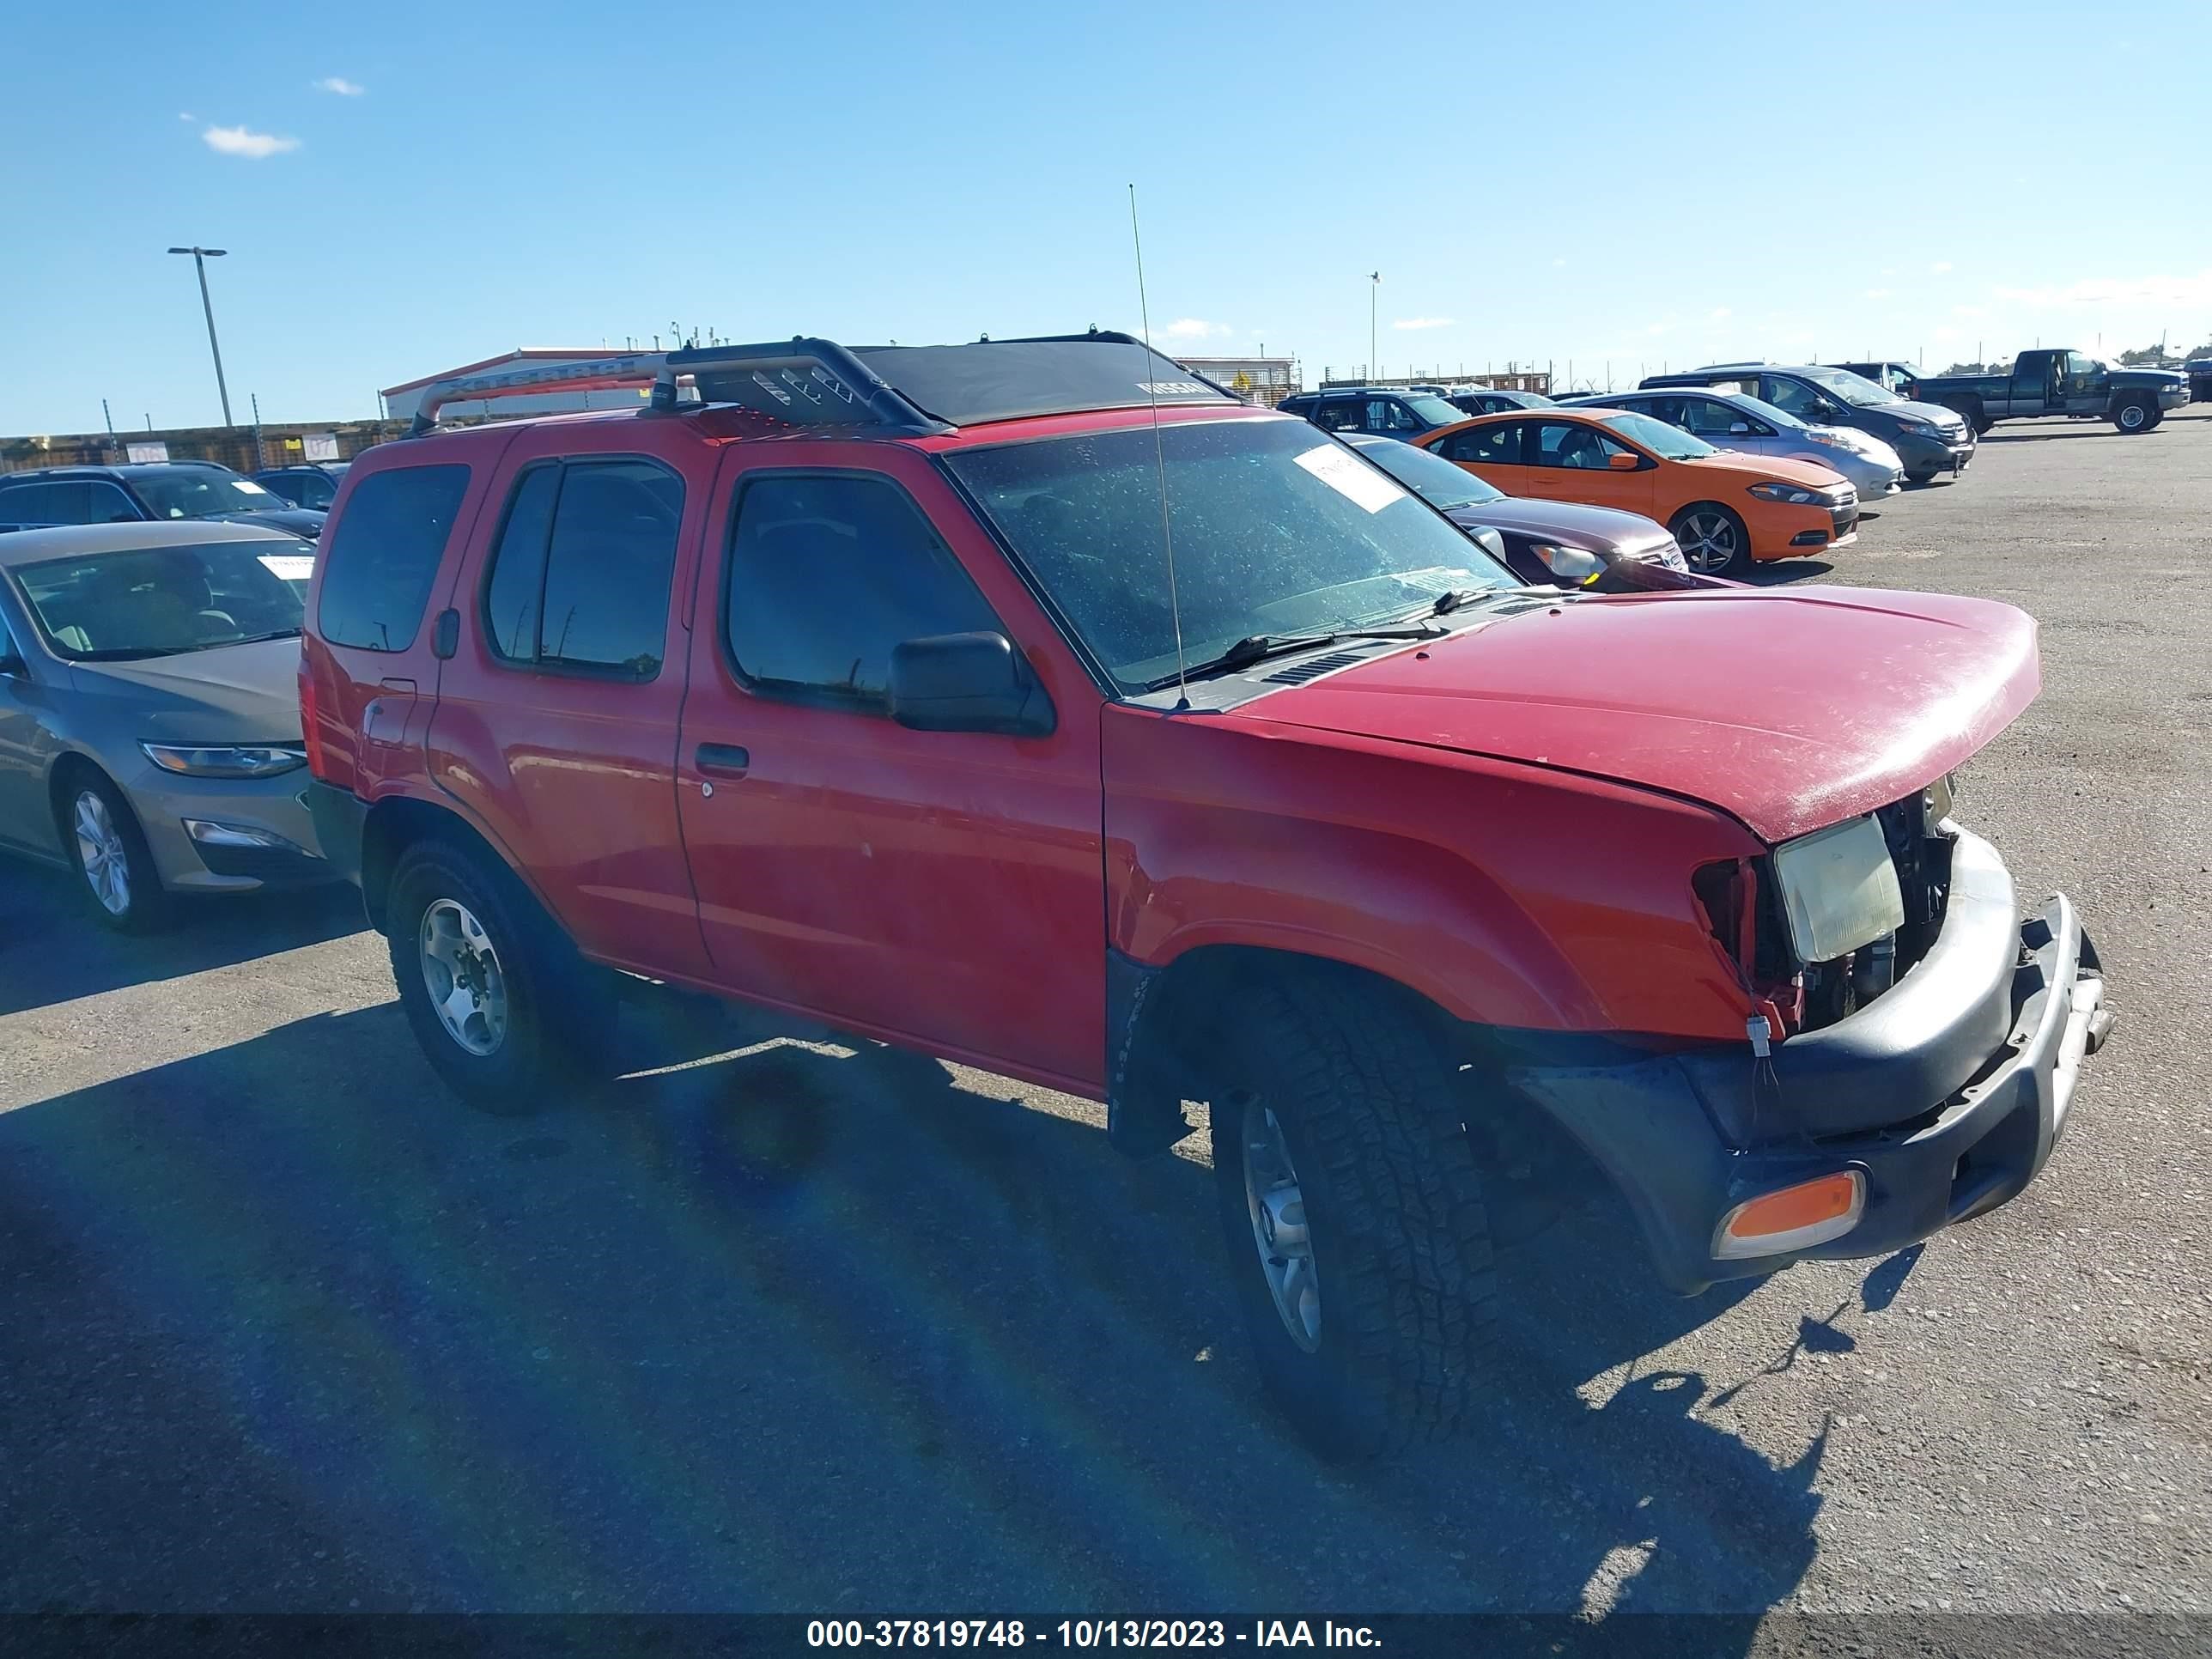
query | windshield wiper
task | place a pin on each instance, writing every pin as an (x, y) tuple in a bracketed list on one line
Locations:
[(256, 639), (1258, 647)]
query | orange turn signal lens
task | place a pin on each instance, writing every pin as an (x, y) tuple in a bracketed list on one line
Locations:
[(1795, 1219)]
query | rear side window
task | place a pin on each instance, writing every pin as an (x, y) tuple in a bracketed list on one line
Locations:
[(384, 554), (1496, 444), (827, 572), (579, 579)]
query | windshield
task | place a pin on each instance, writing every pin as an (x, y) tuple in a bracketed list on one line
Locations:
[(160, 601), (1435, 411), (1436, 480), (1855, 389), (1669, 443), (1275, 532), (1766, 411), (200, 493)]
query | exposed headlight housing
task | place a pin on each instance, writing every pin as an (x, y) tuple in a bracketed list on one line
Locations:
[(1936, 800), (1795, 494), (1838, 889), (254, 760), (1572, 565)]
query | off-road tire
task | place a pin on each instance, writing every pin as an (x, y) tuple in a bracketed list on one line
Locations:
[(1371, 1115), (150, 906), (558, 1011), (2135, 416)]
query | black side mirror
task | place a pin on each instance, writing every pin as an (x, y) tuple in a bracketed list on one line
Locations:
[(12, 666), (967, 682)]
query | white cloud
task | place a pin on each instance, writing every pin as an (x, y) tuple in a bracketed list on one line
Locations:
[(1719, 314), (2119, 290), (186, 115), (1875, 294), (1940, 267), (1194, 328), (1889, 270), (340, 85), (1424, 322), (237, 141), (1970, 312), (1558, 262)]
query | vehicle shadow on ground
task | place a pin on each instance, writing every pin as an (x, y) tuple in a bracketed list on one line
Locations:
[(805, 1328), (1780, 572), (51, 950), (2100, 428)]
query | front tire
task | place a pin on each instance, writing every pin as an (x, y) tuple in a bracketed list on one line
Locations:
[(2135, 415), (1713, 538), (496, 994), (115, 868), (1358, 1243)]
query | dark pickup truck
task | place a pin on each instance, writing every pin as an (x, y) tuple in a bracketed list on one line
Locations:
[(2059, 382)]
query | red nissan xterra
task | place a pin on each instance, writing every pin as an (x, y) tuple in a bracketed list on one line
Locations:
[(1034, 704)]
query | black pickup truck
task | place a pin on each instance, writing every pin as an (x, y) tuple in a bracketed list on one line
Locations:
[(2059, 381)]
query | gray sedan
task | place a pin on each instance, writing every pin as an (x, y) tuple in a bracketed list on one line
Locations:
[(150, 712), (1737, 421)]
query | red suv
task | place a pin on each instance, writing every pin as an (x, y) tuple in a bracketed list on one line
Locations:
[(1034, 704)]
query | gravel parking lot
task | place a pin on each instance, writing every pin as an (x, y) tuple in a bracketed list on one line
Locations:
[(781, 1326)]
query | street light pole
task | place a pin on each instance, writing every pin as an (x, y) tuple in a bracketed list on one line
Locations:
[(1374, 287), (200, 257)]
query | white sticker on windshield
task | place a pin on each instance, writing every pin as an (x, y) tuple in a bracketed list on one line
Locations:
[(1358, 482), (290, 567), (251, 488)]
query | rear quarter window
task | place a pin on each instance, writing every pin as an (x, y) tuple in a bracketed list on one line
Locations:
[(383, 554)]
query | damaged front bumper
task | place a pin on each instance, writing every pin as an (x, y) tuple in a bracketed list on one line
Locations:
[(1946, 1094)]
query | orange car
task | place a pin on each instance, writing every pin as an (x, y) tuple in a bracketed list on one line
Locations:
[(1724, 507)]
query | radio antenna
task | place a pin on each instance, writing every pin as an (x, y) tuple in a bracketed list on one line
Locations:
[(1159, 456)]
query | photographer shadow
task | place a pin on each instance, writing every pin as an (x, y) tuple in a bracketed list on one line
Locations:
[(779, 1322)]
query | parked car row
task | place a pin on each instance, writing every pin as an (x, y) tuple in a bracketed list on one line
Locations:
[(1034, 704)]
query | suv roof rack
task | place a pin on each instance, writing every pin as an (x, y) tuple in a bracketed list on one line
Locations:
[(913, 391)]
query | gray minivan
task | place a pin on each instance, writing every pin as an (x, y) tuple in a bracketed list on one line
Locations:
[(1927, 437)]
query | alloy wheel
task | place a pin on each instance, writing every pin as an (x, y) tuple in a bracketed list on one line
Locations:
[(462, 975), (100, 852), (1709, 541), (1279, 1232)]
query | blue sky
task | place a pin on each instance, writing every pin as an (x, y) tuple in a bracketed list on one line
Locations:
[(405, 188)]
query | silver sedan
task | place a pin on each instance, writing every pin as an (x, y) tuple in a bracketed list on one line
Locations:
[(1735, 420), (150, 712)]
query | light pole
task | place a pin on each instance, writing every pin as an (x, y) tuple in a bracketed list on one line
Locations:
[(1374, 287), (200, 257)]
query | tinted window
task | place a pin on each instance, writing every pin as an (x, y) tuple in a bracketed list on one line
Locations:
[(1340, 414), (384, 554), (1560, 443), (1708, 417), (581, 577), (38, 503), (1495, 444), (518, 566), (609, 566), (315, 490), (827, 573), (1426, 473)]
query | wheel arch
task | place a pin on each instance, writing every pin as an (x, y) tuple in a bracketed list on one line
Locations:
[(67, 766), (396, 822)]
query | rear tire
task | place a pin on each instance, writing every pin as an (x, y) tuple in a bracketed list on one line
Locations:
[(116, 874), (1358, 1242), (2135, 415), (502, 1006), (1713, 538)]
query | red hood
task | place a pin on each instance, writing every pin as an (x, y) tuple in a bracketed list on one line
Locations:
[(1790, 711)]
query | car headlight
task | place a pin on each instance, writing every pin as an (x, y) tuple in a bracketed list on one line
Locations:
[(1795, 494), (1667, 554), (252, 760), (1921, 428), (1829, 435), (1572, 565), (1840, 888)]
